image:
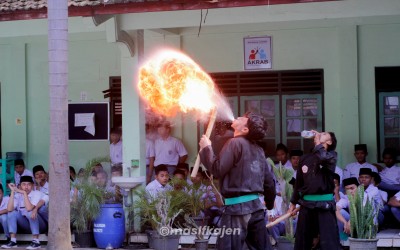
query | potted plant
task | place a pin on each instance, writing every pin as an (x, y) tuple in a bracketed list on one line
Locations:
[(160, 213), (199, 199), (283, 176), (200, 242), (195, 203), (85, 205), (363, 221)]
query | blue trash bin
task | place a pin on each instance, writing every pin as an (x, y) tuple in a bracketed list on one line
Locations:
[(109, 227)]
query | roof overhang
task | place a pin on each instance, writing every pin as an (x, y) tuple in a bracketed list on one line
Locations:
[(151, 6)]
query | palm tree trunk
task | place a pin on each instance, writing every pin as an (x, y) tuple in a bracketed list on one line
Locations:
[(59, 236)]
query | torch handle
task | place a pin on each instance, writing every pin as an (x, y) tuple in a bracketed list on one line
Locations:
[(210, 126), (282, 218)]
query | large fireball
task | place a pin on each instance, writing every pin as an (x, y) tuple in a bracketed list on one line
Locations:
[(171, 82)]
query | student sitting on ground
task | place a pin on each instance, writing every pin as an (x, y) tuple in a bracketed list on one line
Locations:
[(179, 180), (3, 212), (350, 184), (365, 179), (20, 211), (185, 168), (353, 169), (102, 182), (394, 202), (295, 160), (97, 168), (209, 197), (40, 176), (390, 174), (376, 181), (116, 171), (337, 194), (42, 185), (342, 206), (160, 184), (20, 170)]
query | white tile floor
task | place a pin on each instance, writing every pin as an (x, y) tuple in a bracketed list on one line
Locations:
[(387, 238)]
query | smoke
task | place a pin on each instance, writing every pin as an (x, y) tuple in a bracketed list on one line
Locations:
[(224, 111)]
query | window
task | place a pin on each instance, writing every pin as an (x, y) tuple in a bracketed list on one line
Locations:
[(388, 94), (114, 93), (290, 101), (301, 112)]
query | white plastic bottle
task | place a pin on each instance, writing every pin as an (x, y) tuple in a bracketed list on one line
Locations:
[(307, 134)]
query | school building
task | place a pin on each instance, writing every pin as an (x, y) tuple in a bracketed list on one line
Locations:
[(335, 66)]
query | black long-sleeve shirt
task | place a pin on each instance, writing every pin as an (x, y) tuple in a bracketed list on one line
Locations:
[(242, 169), (315, 173)]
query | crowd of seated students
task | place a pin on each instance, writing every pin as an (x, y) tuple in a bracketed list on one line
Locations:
[(201, 183), (26, 209), (166, 156), (381, 183)]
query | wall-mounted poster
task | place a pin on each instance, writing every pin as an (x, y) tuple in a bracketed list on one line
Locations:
[(88, 121), (257, 53)]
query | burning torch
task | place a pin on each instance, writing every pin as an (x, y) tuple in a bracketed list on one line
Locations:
[(171, 81)]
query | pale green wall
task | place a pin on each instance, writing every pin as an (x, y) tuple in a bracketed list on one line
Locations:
[(91, 62), (347, 50), (379, 46), (292, 49), (347, 53), (13, 100)]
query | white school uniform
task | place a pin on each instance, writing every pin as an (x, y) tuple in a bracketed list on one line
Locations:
[(150, 152), (339, 171), (4, 203), (154, 187), (17, 177), (34, 197), (391, 175), (397, 195), (44, 189), (353, 169), (116, 152), (168, 151)]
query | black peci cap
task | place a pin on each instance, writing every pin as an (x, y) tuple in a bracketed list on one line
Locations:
[(26, 178), (362, 147), (350, 181), (366, 171)]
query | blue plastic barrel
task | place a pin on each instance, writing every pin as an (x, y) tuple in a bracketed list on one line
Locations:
[(109, 227)]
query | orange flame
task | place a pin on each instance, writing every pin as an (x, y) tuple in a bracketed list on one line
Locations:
[(171, 82)]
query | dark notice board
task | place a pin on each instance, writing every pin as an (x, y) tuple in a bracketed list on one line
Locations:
[(101, 121)]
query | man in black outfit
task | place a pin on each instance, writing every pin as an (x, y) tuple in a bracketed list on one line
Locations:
[(314, 192), (243, 174)]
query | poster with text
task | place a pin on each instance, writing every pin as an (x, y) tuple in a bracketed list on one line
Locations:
[(257, 53)]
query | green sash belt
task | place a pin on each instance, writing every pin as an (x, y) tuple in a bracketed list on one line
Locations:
[(240, 199), (318, 197)]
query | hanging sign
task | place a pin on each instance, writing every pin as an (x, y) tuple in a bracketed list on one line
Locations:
[(257, 53)]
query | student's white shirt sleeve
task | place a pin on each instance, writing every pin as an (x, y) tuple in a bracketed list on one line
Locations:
[(35, 197), (180, 148), (343, 203), (397, 195)]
